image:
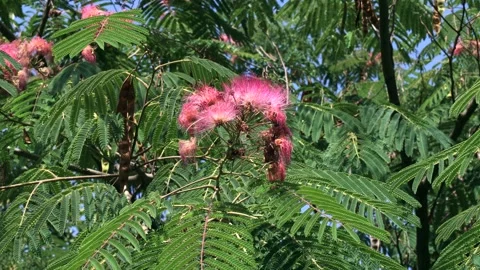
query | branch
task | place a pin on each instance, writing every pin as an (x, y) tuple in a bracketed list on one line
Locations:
[(75, 168), (11, 119), (450, 56), (204, 236), (387, 54), (284, 70), (6, 32), (46, 13), (57, 179), (142, 113), (179, 190), (462, 119)]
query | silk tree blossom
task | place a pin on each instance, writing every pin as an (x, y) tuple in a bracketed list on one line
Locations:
[(244, 97), (285, 148), (205, 109), (39, 46), (220, 113), (187, 149), (10, 48), (276, 172), (88, 53), (459, 48), (255, 93), (17, 50), (205, 96), (191, 120), (92, 11), (21, 80)]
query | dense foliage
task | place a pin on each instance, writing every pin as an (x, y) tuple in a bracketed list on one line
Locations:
[(253, 134)]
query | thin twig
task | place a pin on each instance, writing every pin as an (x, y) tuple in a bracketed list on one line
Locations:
[(46, 13), (284, 71), (172, 62), (191, 189), (27, 203), (57, 179), (187, 185), (9, 118), (142, 113), (204, 236)]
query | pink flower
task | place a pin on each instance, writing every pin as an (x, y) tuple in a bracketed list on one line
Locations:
[(17, 50), (223, 37), (187, 149), (89, 54), (39, 46), (276, 116), (255, 93), (220, 113), (92, 11), (226, 39), (285, 148), (459, 48), (10, 48), (189, 117), (22, 79), (276, 172), (205, 96)]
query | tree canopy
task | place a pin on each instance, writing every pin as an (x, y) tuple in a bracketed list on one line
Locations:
[(254, 134)]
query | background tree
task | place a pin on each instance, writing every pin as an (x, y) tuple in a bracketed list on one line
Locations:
[(159, 134)]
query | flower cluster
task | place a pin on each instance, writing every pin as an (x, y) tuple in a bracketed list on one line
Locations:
[(471, 47), (92, 11), (244, 99), (23, 51)]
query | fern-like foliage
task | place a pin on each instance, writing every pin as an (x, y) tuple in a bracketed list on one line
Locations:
[(115, 29), (463, 100), (462, 252), (29, 224), (49, 126), (457, 156), (112, 243), (215, 238)]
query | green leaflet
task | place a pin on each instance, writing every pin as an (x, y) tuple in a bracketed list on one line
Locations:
[(115, 29)]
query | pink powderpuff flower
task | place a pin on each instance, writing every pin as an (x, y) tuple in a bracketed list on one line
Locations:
[(12, 50), (22, 79), (17, 50), (255, 93), (39, 46), (285, 148), (205, 96), (89, 54), (193, 120), (187, 149), (276, 172), (92, 11), (220, 113), (223, 37), (188, 116), (276, 116), (459, 48)]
